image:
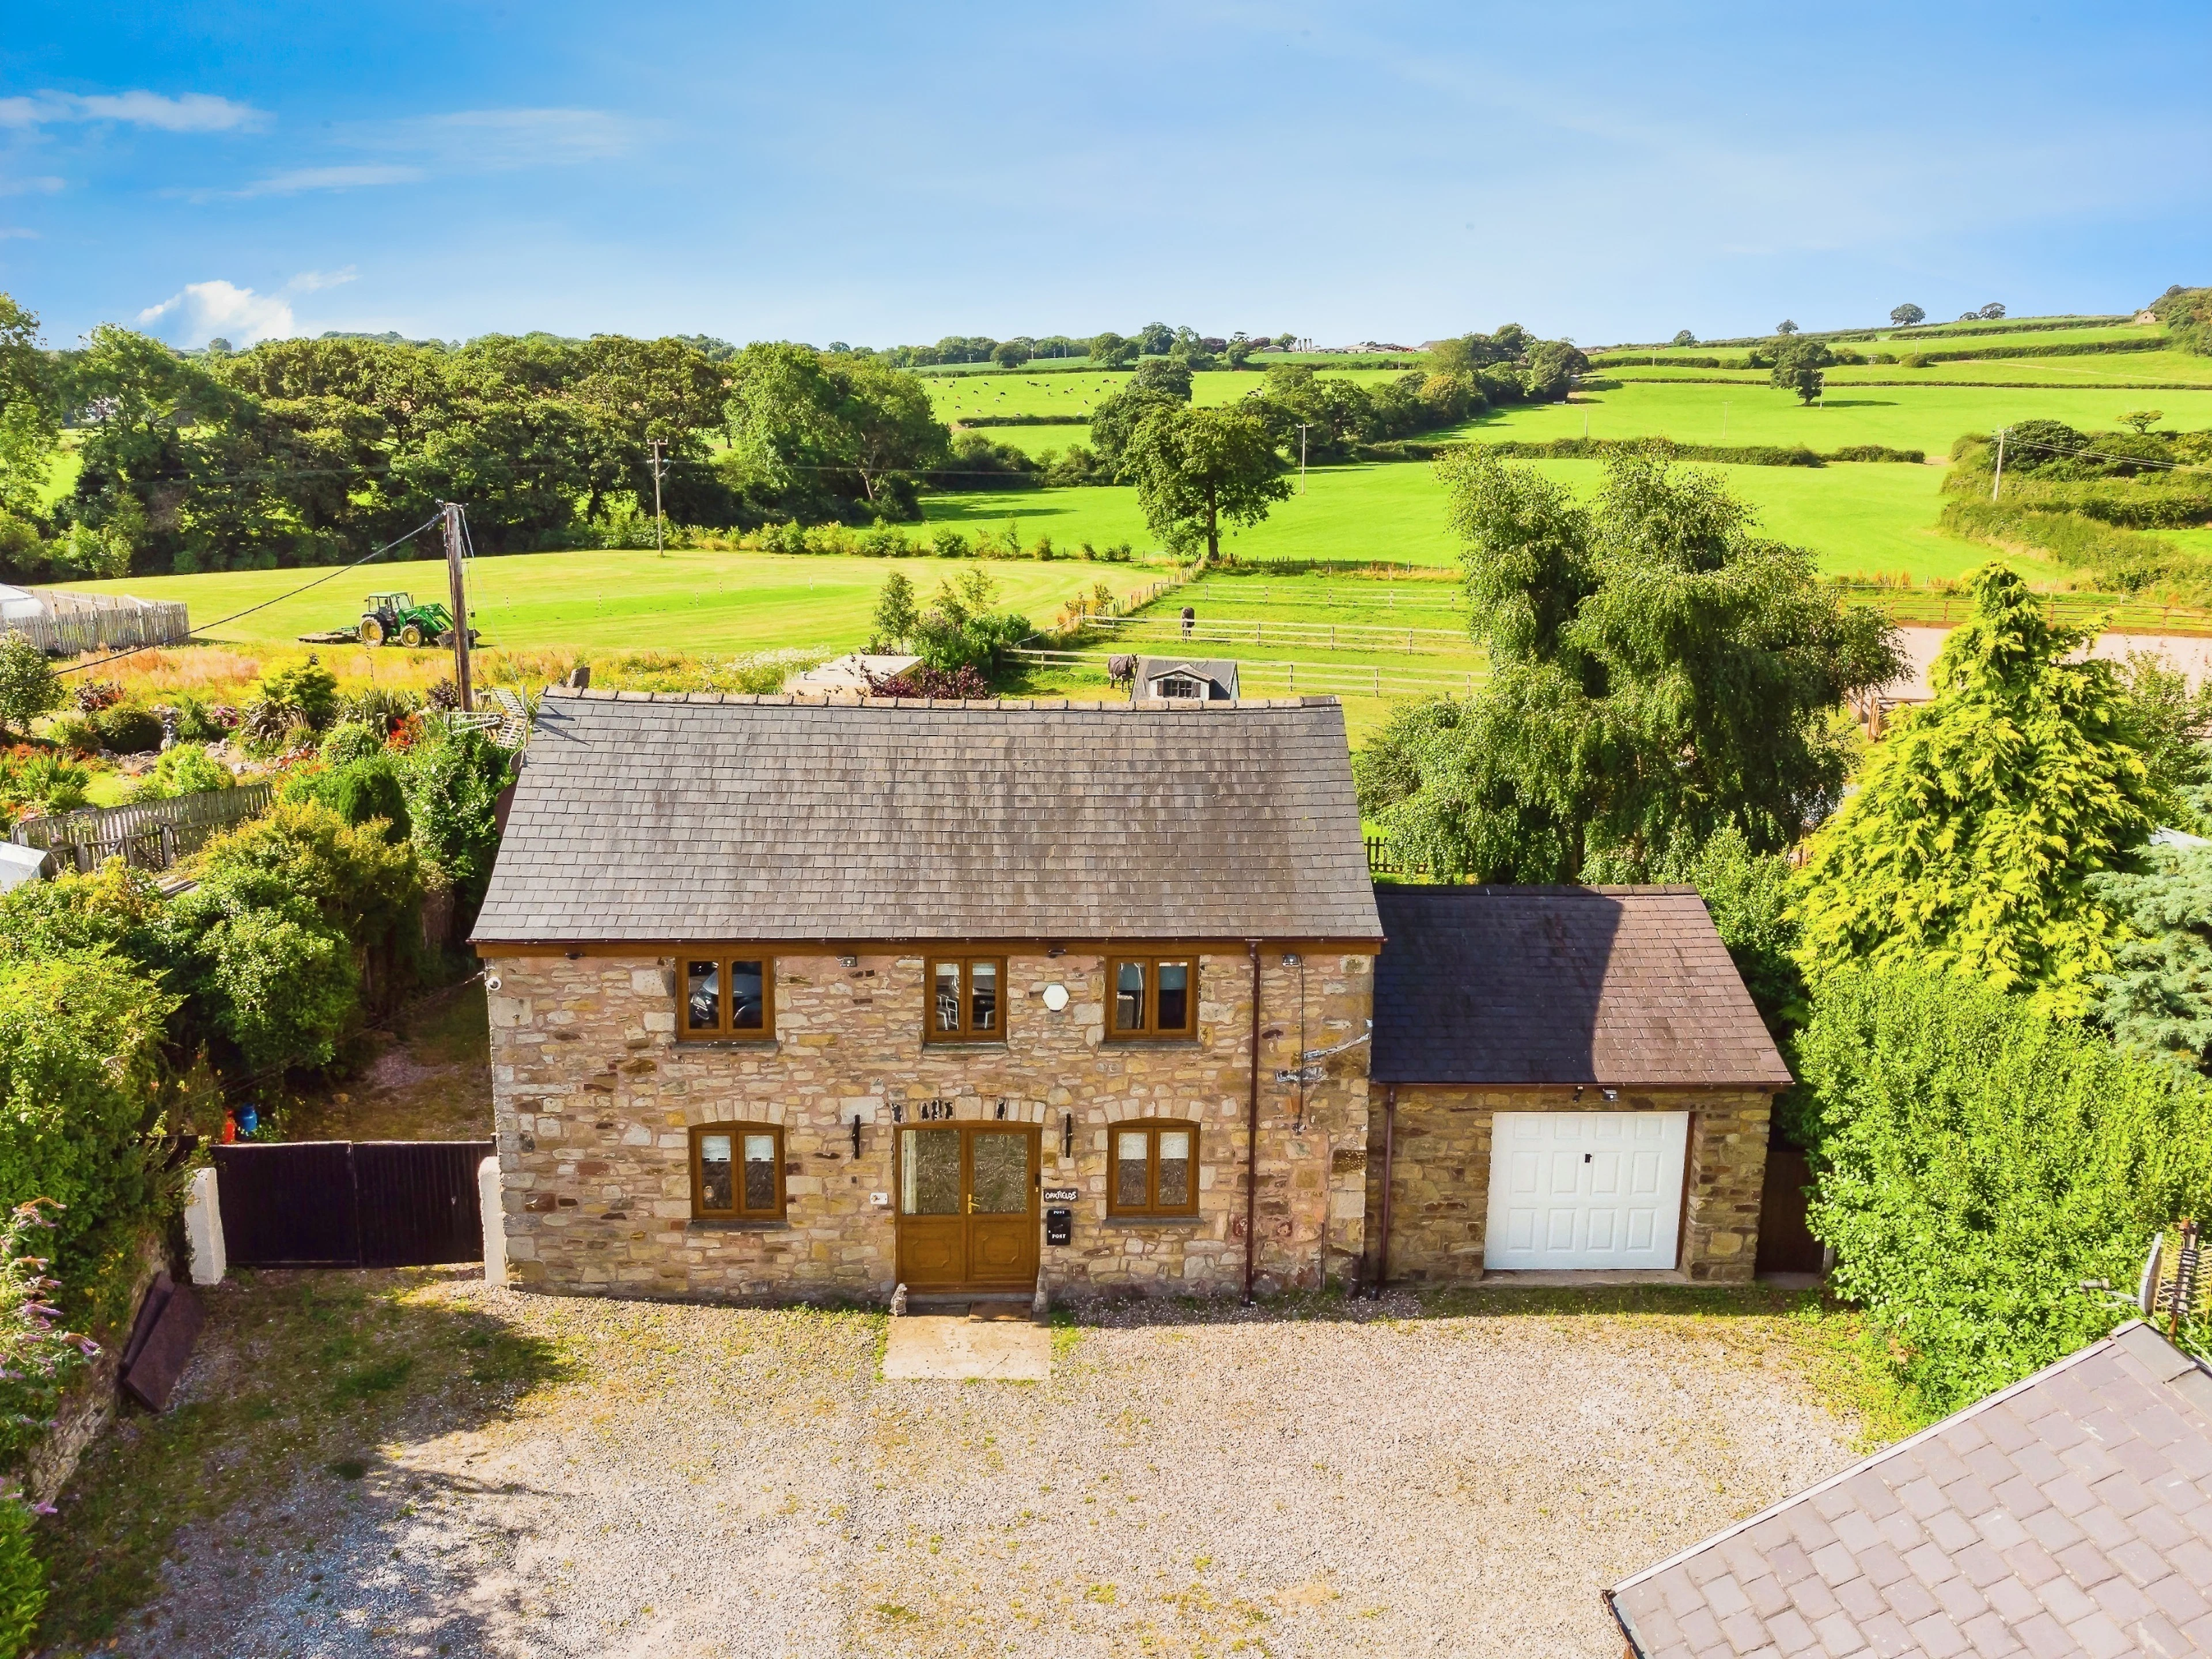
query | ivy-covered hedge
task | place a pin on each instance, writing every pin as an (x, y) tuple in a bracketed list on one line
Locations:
[(1979, 1160)]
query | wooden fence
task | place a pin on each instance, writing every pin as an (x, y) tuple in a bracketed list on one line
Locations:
[(76, 623), (152, 836), (1384, 860), (1257, 678)]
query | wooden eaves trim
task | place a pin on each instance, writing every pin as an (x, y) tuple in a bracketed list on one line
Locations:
[(906, 947)]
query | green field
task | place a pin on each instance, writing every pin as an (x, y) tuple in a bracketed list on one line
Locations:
[(971, 402), (690, 601), (1857, 517), (2010, 332)]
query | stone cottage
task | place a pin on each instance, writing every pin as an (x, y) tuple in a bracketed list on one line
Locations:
[(798, 998)]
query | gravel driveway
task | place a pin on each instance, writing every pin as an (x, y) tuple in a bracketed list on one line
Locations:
[(722, 1482)]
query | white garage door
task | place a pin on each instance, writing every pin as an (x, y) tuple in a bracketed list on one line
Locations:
[(1584, 1189)]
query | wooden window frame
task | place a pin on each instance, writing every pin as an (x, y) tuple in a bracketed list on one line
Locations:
[(967, 1033), (737, 1133), (1151, 1031), (723, 1030), (1151, 1209)]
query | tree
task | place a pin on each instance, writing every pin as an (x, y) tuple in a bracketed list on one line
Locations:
[(1907, 314), (1970, 843), (1112, 350), (1657, 673), (1552, 365), (2140, 420), (1797, 367), (1156, 339), (1785, 327), (1012, 353), (29, 685), (895, 612), (2157, 1000), (30, 413), (1683, 337), (1990, 313), (1195, 467), (1159, 383)]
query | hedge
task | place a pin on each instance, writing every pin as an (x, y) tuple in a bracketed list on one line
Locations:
[(1978, 1160), (1408, 449)]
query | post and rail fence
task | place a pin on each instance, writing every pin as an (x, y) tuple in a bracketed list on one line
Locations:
[(1293, 679)]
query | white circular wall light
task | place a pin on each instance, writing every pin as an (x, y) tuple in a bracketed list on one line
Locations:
[(1055, 997)]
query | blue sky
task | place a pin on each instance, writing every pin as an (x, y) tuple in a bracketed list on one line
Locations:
[(879, 174)]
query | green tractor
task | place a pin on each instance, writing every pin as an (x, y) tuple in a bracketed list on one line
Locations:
[(389, 617)]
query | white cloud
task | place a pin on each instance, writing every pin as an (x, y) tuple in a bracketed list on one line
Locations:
[(191, 112), (43, 184), (311, 281), (296, 180), (498, 140), (203, 310)]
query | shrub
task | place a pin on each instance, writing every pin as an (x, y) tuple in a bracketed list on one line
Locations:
[(29, 686), (38, 1355), (93, 696), (353, 739), (379, 707), (949, 543), (23, 1581), (307, 694), (278, 990), (1979, 1159), (78, 1071), (923, 681), (128, 731), (184, 769), (451, 783), (358, 790), (201, 722), (43, 782)]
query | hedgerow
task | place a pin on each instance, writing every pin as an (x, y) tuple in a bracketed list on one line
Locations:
[(1979, 1159)]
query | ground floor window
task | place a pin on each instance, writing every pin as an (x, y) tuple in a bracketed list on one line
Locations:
[(1155, 1170), (736, 1172)]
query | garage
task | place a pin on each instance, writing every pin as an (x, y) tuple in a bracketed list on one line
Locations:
[(1585, 1190)]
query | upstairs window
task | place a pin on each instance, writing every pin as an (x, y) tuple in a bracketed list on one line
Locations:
[(967, 999), (736, 1172), (727, 999), (1153, 997), (1177, 685), (1155, 1170)]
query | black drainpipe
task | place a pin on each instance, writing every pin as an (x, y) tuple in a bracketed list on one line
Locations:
[(1389, 1152), (1252, 1137)]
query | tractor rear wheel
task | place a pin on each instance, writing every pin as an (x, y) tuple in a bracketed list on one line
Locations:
[(410, 634), (371, 630)]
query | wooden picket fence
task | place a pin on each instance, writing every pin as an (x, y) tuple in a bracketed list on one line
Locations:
[(78, 622), (151, 836)]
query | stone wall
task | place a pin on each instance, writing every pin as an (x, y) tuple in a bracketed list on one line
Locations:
[(1440, 1178), (594, 1100)]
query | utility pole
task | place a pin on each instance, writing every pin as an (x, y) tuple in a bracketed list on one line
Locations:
[(1999, 479), (1302, 456), (657, 448), (458, 584)]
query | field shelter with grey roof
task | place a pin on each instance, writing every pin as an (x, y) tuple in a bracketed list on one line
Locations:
[(801, 997)]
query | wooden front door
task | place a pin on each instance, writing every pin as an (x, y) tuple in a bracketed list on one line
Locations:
[(968, 1207)]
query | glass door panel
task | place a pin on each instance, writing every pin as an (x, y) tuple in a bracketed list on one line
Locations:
[(1001, 1180), (929, 1172)]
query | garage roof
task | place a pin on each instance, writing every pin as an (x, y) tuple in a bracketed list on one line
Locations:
[(1588, 985), (692, 818), (2070, 1513)]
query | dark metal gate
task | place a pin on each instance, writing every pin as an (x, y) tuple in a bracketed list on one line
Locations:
[(351, 1204)]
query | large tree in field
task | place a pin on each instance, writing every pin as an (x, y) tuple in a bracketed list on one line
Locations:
[(1658, 672), (1798, 365), (1907, 314), (1194, 468), (1971, 841)]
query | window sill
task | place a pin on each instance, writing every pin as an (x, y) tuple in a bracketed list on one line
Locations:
[(1113, 1040), (1151, 1221), (757, 1045), (708, 1225), (939, 1045)]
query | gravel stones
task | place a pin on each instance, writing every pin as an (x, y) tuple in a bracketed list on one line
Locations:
[(715, 1481)]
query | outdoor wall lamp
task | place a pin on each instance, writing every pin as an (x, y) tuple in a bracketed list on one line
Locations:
[(849, 960), (1292, 959), (856, 1134), (1068, 1134)]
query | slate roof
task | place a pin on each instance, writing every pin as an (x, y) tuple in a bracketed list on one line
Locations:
[(1590, 985), (707, 818), (2070, 1513)]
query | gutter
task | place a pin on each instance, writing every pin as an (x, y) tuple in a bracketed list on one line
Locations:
[(1252, 1137)]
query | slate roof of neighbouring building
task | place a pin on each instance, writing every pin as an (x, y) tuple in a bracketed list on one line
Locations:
[(2070, 1513), (1586, 985), (676, 818)]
